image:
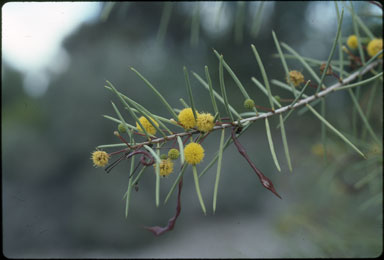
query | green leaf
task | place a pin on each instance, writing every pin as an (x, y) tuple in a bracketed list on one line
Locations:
[(111, 145), (360, 83), (196, 178), (235, 78), (183, 103), (216, 94), (285, 143), (332, 51), (283, 62), (302, 61), (156, 155), (162, 99), (271, 144), (262, 88), (357, 33), (363, 117), (341, 54), (128, 193), (121, 118), (211, 92), (227, 143), (129, 110), (149, 117), (158, 118), (285, 86), (335, 130), (181, 149), (294, 102), (158, 178), (176, 182), (222, 86), (119, 122), (189, 90), (218, 169), (138, 176), (264, 74)]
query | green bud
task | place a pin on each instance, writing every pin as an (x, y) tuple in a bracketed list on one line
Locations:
[(173, 154), (277, 98), (122, 128), (163, 156), (249, 103)]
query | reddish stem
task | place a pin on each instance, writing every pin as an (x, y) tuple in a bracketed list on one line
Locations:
[(264, 180), (264, 108), (156, 230)]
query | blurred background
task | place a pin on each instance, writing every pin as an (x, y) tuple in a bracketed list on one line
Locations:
[(56, 58)]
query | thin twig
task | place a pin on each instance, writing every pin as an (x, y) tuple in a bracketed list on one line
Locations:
[(301, 102)]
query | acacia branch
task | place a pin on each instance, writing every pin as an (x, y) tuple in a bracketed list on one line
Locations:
[(299, 103)]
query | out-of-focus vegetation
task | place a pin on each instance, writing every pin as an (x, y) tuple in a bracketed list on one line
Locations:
[(55, 204)]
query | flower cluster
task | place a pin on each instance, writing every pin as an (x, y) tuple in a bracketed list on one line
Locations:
[(352, 42), (296, 77), (203, 122), (186, 118), (100, 158), (149, 128), (374, 46), (193, 153), (166, 167)]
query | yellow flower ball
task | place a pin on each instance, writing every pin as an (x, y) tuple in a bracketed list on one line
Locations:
[(147, 125), (100, 158), (193, 153), (295, 77), (374, 46), (186, 118), (205, 122), (166, 167), (352, 42)]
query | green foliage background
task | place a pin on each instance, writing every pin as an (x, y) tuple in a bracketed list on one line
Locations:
[(55, 204)]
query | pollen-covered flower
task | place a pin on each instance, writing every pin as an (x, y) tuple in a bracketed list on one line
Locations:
[(193, 153), (374, 46), (249, 103), (100, 158), (186, 118), (166, 167), (147, 125), (352, 42), (173, 154), (295, 77), (205, 122)]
